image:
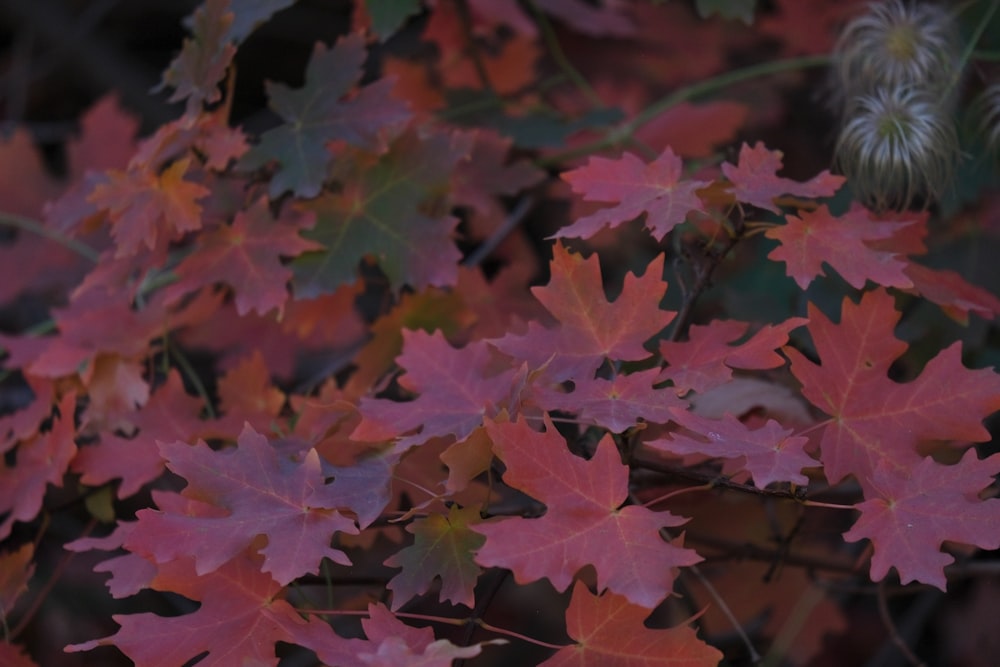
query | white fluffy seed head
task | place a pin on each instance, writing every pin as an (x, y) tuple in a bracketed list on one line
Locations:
[(897, 44), (897, 147)]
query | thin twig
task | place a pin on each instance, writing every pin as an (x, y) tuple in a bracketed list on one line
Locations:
[(483, 602), (890, 626), (726, 611), (512, 220), (43, 593)]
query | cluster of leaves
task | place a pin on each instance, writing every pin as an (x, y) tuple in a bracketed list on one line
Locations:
[(281, 369)]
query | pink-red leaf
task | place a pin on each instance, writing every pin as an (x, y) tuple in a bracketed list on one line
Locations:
[(616, 404), (755, 179), (873, 419), (584, 523), (908, 515), (247, 256), (814, 237), (771, 453), (455, 386), (590, 327), (610, 631), (655, 189), (706, 359), (263, 493), (241, 617)]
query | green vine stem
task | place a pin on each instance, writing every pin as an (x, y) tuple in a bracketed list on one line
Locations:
[(34, 227), (621, 134)]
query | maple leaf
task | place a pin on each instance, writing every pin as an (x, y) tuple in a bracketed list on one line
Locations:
[(611, 632), (589, 328), (247, 394), (171, 414), (252, 13), (284, 500), (953, 293), (385, 212), (144, 206), (204, 58), (908, 516), (814, 237), (873, 419), (317, 114), (706, 359), (246, 256), (41, 461), (655, 189), (771, 453), (615, 404), (584, 523), (241, 617), (392, 643), (456, 392), (755, 181), (442, 547)]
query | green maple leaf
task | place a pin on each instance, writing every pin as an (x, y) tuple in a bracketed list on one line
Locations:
[(389, 211), (318, 114), (443, 546)]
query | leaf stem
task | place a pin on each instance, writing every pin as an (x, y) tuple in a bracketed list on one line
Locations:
[(35, 227)]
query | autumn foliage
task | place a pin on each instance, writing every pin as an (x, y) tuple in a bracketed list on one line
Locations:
[(528, 333)]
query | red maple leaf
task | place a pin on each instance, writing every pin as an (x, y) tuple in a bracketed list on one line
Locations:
[(610, 631), (204, 58), (615, 404), (755, 181), (392, 643), (875, 421), (145, 207), (706, 359), (957, 296), (264, 494), (318, 114), (590, 329), (171, 414), (584, 523), (456, 391), (814, 237), (770, 453), (442, 547), (908, 515), (247, 256), (41, 460), (241, 617), (655, 189)]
